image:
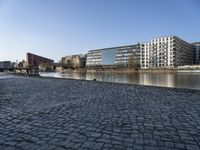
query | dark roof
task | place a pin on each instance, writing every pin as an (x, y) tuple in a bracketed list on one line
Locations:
[(195, 43), (28, 53), (114, 47)]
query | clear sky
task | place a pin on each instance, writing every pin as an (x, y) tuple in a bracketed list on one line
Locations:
[(55, 28)]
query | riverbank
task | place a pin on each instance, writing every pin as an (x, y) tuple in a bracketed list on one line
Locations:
[(109, 70), (43, 113)]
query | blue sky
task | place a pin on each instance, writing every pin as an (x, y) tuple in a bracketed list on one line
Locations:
[(55, 28)]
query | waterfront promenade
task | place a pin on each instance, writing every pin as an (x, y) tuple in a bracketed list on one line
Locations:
[(42, 113)]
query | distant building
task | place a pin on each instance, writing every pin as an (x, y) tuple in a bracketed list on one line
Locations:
[(113, 57), (22, 64), (197, 52), (74, 61), (35, 60), (5, 64), (168, 51)]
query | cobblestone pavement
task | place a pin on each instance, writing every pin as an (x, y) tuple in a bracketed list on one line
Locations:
[(40, 113)]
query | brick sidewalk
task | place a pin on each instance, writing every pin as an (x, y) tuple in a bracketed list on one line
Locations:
[(38, 113)]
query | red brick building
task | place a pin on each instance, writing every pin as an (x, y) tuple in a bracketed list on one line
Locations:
[(35, 60)]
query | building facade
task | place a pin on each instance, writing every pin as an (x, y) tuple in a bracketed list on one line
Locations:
[(5, 64), (74, 61), (36, 60), (197, 52), (113, 57), (93, 58), (168, 51)]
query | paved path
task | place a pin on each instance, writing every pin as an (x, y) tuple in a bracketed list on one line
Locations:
[(61, 114)]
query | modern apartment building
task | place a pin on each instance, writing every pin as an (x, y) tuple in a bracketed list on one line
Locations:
[(168, 51), (197, 52), (113, 57)]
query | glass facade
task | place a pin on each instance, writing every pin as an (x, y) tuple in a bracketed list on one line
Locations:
[(93, 58), (126, 52), (108, 56), (116, 56)]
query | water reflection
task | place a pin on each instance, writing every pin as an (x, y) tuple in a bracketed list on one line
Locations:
[(180, 80), (157, 79)]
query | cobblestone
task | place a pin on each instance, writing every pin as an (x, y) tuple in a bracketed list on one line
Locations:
[(44, 113)]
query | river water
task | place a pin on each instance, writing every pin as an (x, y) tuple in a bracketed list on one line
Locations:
[(5, 76), (178, 80)]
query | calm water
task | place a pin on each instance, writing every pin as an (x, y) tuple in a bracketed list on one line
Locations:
[(180, 80), (5, 76)]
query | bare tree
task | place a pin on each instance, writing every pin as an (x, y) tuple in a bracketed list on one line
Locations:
[(132, 62)]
